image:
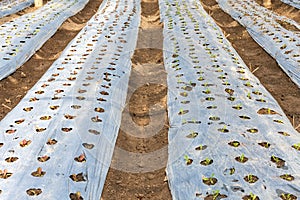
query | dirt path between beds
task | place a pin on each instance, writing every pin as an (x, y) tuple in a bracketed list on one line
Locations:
[(140, 156)]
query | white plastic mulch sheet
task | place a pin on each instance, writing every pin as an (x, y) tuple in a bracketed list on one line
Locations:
[(22, 37), (57, 143), (269, 31), (8, 7), (228, 137), (295, 3)]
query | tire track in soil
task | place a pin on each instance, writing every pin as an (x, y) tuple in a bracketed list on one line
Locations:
[(140, 156), (268, 71), (14, 87)]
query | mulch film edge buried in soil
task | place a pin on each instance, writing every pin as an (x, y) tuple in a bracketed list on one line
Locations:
[(57, 143), (228, 136)]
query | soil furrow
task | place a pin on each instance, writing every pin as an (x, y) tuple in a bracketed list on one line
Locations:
[(258, 60), (14, 87), (140, 156)]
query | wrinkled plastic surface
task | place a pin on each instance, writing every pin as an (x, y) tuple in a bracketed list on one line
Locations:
[(219, 112), (22, 37), (295, 3), (8, 7), (269, 31), (77, 103)]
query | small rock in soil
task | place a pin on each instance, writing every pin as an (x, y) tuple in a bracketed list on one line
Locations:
[(151, 176), (23, 75), (140, 196), (12, 80)]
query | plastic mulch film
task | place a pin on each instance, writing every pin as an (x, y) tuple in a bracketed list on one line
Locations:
[(8, 7), (294, 3), (278, 35), (22, 37), (57, 143), (228, 137)]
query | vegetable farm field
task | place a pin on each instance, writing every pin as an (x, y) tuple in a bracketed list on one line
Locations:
[(150, 99)]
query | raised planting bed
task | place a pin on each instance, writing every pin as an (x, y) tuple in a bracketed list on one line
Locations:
[(57, 143), (228, 137)]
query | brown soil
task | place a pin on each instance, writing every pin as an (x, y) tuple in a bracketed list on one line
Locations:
[(13, 88), (139, 173), (215, 196), (251, 178), (268, 72)]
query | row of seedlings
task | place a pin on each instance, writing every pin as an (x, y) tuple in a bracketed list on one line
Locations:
[(8, 7), (278, 35), (23, 36), (228, 137), (57, 143)]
